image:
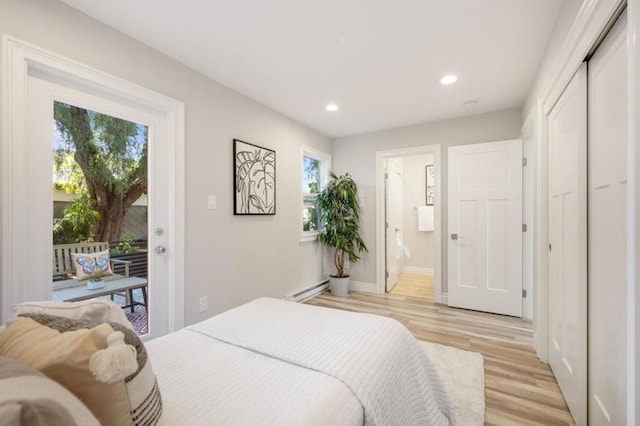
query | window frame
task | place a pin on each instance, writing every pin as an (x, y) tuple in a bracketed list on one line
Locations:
[(325, 167)]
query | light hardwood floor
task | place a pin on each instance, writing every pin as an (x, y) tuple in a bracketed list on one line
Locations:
[(415, 286), (519, 389)]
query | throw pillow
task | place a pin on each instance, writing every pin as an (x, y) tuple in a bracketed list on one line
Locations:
[(28, 397), (90, 265), (68, 358), (145, 402), (94, 310)]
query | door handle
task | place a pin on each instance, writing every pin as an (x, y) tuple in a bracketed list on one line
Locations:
[(397, 229), (161, 250), (454, 236)]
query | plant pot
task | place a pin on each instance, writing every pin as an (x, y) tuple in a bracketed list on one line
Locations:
[(339, 286), (94, 285)]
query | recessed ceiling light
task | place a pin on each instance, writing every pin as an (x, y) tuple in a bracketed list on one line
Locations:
[(449, 79), (331, 107)]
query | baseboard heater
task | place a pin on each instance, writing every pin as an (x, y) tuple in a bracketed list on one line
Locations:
[(308, 293)]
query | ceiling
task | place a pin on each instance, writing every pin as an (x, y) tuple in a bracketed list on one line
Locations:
[(379, 60)]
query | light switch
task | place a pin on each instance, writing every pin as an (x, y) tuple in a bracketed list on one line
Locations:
[(211, 202)]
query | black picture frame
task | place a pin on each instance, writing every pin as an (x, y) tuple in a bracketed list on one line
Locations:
[(431, 184), (254, 179)]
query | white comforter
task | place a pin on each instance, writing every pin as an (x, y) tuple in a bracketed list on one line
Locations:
[(205, 382), (371, 359)]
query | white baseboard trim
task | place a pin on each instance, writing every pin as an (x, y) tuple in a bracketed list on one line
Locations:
[(418, 271), (362, 287), (308, 293), (444, 298)]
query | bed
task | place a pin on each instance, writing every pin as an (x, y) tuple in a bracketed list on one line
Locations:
[(271, 362), (268, 362)]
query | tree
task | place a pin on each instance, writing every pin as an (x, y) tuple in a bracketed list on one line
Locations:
[(311, 188), (78, 222), (112, 155)]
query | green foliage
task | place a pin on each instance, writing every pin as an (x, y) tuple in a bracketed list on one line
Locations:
[(340, 213), (311, 189), (310, 213), (125, 246), (68, 175), (77, 223), (103, 156), (114, 149), (311, 174)]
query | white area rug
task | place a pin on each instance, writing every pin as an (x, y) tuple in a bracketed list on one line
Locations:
[(462, 373)]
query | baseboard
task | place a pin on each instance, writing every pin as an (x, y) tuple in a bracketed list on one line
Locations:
[(362, 287), (308, 293), (418, 271), (444, 298)]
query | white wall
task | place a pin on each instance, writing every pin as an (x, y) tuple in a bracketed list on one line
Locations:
[(568, 12), (230, 259), (419, 246), (357, 155)]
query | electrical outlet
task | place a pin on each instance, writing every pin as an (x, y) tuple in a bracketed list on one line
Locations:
[(204, 303)]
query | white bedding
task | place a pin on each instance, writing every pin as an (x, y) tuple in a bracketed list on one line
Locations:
[(207, 382), (275, 362)]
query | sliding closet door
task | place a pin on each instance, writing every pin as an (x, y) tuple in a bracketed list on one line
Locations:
[(607, 228), (568, 244)]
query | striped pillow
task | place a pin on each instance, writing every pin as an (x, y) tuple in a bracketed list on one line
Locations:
[(142, 388), (28, 397)]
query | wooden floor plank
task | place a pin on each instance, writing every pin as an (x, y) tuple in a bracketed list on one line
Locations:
[(420, 286), (519, 389)]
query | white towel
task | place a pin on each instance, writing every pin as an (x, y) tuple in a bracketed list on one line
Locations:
[(425, 218)]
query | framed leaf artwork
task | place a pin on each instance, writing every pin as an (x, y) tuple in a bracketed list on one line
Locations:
[(254, 174)]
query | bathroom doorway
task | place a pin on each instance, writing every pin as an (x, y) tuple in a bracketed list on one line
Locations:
[(409, 248)]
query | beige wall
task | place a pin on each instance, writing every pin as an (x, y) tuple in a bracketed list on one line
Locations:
[(357, 155), (419, 246), (230, 259)]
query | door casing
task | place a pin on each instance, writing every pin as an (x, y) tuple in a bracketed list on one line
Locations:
[(20, 59), (381, 156)]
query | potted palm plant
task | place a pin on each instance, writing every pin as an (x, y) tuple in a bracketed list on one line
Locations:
[(340, 214)]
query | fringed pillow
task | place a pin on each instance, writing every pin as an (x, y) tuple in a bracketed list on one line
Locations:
[(29, 398), (145, 403), (93, 310), (90, 362)]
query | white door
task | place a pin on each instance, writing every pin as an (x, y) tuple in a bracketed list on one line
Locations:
[(568, 244), (394, 207), (485, 227), (42, 95), (608, 228)]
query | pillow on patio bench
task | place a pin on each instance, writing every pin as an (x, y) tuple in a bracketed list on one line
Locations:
[(90, 265)]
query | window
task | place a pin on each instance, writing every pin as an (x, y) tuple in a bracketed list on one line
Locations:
[(315, 172)]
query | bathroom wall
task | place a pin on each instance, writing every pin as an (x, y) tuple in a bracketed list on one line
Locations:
[(419, 246)]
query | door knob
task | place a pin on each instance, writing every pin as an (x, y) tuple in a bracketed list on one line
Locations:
[(454, 236), (161, 250)]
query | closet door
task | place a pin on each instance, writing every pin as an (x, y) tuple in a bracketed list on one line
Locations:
[(607, 228), (568, 244)]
